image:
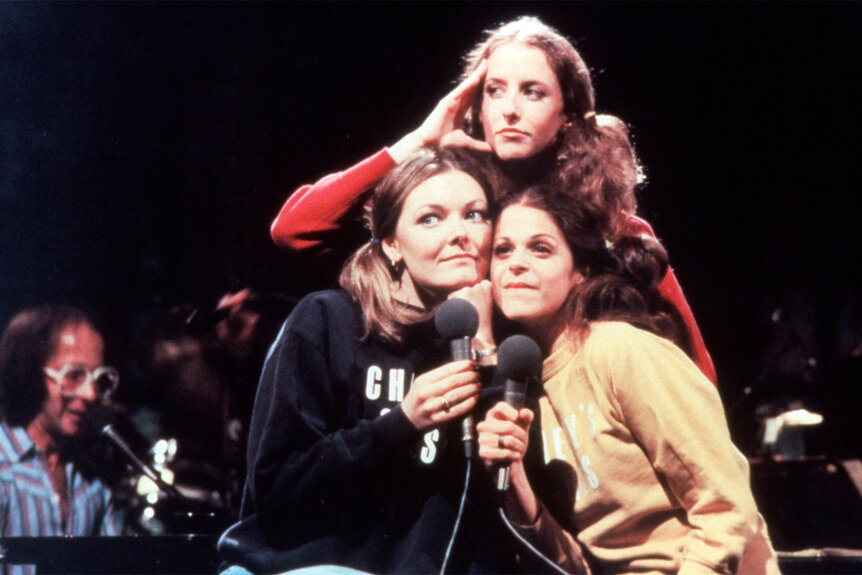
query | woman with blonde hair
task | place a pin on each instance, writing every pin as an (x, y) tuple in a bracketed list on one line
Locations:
[(354, 458)]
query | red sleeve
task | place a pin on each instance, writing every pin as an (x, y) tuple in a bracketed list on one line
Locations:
[(312, 216), (672, 292)]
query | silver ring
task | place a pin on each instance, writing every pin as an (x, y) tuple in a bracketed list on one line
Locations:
[(446, 405)]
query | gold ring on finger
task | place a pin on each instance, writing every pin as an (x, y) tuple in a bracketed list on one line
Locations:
[(500, 442), (446, 405)]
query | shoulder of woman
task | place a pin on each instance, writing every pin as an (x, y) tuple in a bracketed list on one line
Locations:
[(321, 310), (631, 356), (330, 299), (618, 343), (619, 335)]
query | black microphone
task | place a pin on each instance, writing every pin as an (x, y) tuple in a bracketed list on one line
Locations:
[(519, 360), (103, 420), (458, 321)]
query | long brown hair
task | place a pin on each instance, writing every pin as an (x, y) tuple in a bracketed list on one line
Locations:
[(595, 160), (368, 275), (620, 278)]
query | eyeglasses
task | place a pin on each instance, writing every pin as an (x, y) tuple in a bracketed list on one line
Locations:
[(72, 377)]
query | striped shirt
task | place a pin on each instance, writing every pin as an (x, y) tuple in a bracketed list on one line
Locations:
[(30, 508)]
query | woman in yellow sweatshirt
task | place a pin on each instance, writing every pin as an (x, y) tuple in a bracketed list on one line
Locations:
[(638, 465)]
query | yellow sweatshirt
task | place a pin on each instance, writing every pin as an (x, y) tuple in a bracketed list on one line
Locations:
[(660, 486)]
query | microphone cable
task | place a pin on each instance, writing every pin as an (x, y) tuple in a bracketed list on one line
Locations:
[(519, 359), (530, 546), (457, 518)]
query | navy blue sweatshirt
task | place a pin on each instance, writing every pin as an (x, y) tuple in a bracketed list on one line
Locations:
[(337, 473)]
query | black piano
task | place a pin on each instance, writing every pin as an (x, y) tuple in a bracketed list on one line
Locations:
[(194, 554), (175, 554)]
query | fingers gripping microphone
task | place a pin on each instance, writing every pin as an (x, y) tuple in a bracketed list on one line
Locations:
[(519, 360), (458, 321)]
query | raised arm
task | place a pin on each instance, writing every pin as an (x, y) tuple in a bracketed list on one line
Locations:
[(311, 220)]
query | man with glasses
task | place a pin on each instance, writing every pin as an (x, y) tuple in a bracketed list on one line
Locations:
[(51, 374)]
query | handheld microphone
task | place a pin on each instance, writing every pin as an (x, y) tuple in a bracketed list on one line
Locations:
[(458, 321), (519, 360)]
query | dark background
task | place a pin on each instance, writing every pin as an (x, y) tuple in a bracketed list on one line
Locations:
[(146, 147)]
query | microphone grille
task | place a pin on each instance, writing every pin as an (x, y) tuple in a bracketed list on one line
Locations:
[(519, 357), (456, 318)]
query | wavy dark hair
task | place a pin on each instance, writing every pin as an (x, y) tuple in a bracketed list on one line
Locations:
[(620, 279), (28, 341), (594, 159)]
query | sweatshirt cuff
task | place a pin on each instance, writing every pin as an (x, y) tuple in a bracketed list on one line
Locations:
[(395, 429), (535, 524)]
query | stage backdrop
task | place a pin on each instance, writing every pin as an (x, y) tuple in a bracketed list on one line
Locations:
[(146, 147)]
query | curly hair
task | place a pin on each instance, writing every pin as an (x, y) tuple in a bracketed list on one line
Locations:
[(594, 159), (620, 278)]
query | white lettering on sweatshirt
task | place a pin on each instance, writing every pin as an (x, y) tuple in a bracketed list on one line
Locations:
[(372, 382), (395, 393), (554, 446), (429, 450), (394, 383)]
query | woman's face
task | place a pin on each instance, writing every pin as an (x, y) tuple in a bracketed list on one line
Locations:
[(522, 103), (443, 236), (532, 270)]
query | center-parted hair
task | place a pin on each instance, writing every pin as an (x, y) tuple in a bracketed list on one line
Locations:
[(594, 158), (620, 279), (368, 275)]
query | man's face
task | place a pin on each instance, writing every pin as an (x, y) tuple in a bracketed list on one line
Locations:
[(63, 414)]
